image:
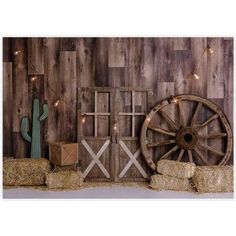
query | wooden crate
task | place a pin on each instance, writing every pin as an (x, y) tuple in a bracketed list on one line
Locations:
[(63, 153)]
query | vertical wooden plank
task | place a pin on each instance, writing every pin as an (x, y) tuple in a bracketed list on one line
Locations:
[(181, 43), (133, 111), (215, 74), (101, 62), (165, 50), (7, 110), (35, 56), (199, 86), (149, 63), (68, 44), (103, 106), (95, 114), (228, 79), (116, 77), (20, 95), (182, 72), (67, 107), (116, 52), (52, 87), (7, 51), (133, 62), (85, 62)]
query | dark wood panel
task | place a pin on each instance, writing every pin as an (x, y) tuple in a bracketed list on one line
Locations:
[(7, 51), (35, 56), (52, 87), (20, 106), (67, 107), (7, 108), (101, 62)]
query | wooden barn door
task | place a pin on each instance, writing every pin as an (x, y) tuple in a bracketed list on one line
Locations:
[(131, 107), (109, 124)]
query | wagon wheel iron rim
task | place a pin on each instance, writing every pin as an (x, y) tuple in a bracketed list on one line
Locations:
[(186, 138)]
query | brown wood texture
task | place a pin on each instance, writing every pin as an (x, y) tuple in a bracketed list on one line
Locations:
[(62, 65)]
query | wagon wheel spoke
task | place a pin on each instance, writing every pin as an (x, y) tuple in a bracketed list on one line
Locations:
[(161, 143), (169, 120), (212, 136), (185, 135), (181, 153), (170, 152), (163, 131), (200, 156), (212, 149), (213, 117), (190, 156), (194, 117)]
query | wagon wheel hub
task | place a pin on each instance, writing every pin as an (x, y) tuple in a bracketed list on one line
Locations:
[(187, 138)]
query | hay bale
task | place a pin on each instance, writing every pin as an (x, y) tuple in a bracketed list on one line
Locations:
[(211, 179), (25, 171), (176, 168), (64, 179), (165, 182)]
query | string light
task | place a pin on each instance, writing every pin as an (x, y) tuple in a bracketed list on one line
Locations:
[(148, 119), (83, 119), (115, 127), (33, 78), (173, 99), (196, 76), (56, 103), (16, 52), (209, 49)]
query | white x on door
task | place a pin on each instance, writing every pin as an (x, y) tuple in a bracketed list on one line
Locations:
[(109, 122)]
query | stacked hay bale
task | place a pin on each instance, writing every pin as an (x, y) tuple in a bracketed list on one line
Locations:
[(64, 179), (25, 171), (180, 176), (173, 175), (212, 179)]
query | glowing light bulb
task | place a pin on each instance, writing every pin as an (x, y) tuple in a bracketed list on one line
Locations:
[(148, 119), (195, 76), (83, 119), (115, 127), (33, 78), (16, 52), (173, 99), (210, 50), (56, 103)]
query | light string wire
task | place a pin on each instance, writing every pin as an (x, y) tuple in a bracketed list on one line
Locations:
[(207, 49), (68, 104)]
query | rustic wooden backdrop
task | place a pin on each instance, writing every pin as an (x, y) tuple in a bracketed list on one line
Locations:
[(64, 64)]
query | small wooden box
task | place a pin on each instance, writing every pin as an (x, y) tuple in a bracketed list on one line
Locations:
[(63, 153)]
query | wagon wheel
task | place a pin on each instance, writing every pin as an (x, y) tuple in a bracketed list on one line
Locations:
[(186, 138)]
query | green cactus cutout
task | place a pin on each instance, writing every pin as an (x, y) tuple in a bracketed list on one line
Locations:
[(35, 138)]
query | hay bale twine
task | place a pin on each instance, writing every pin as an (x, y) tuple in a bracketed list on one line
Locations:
[(176, 168), (211, 179), (165, 182), (67, 179), (25, 171)]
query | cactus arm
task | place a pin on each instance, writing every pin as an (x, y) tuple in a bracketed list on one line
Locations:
[(25, 129), (45, 112)]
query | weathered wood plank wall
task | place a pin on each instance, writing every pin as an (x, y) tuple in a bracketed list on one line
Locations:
[(64, 64)]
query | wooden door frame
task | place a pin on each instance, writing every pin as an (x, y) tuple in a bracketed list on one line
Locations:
[(114, 137)]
